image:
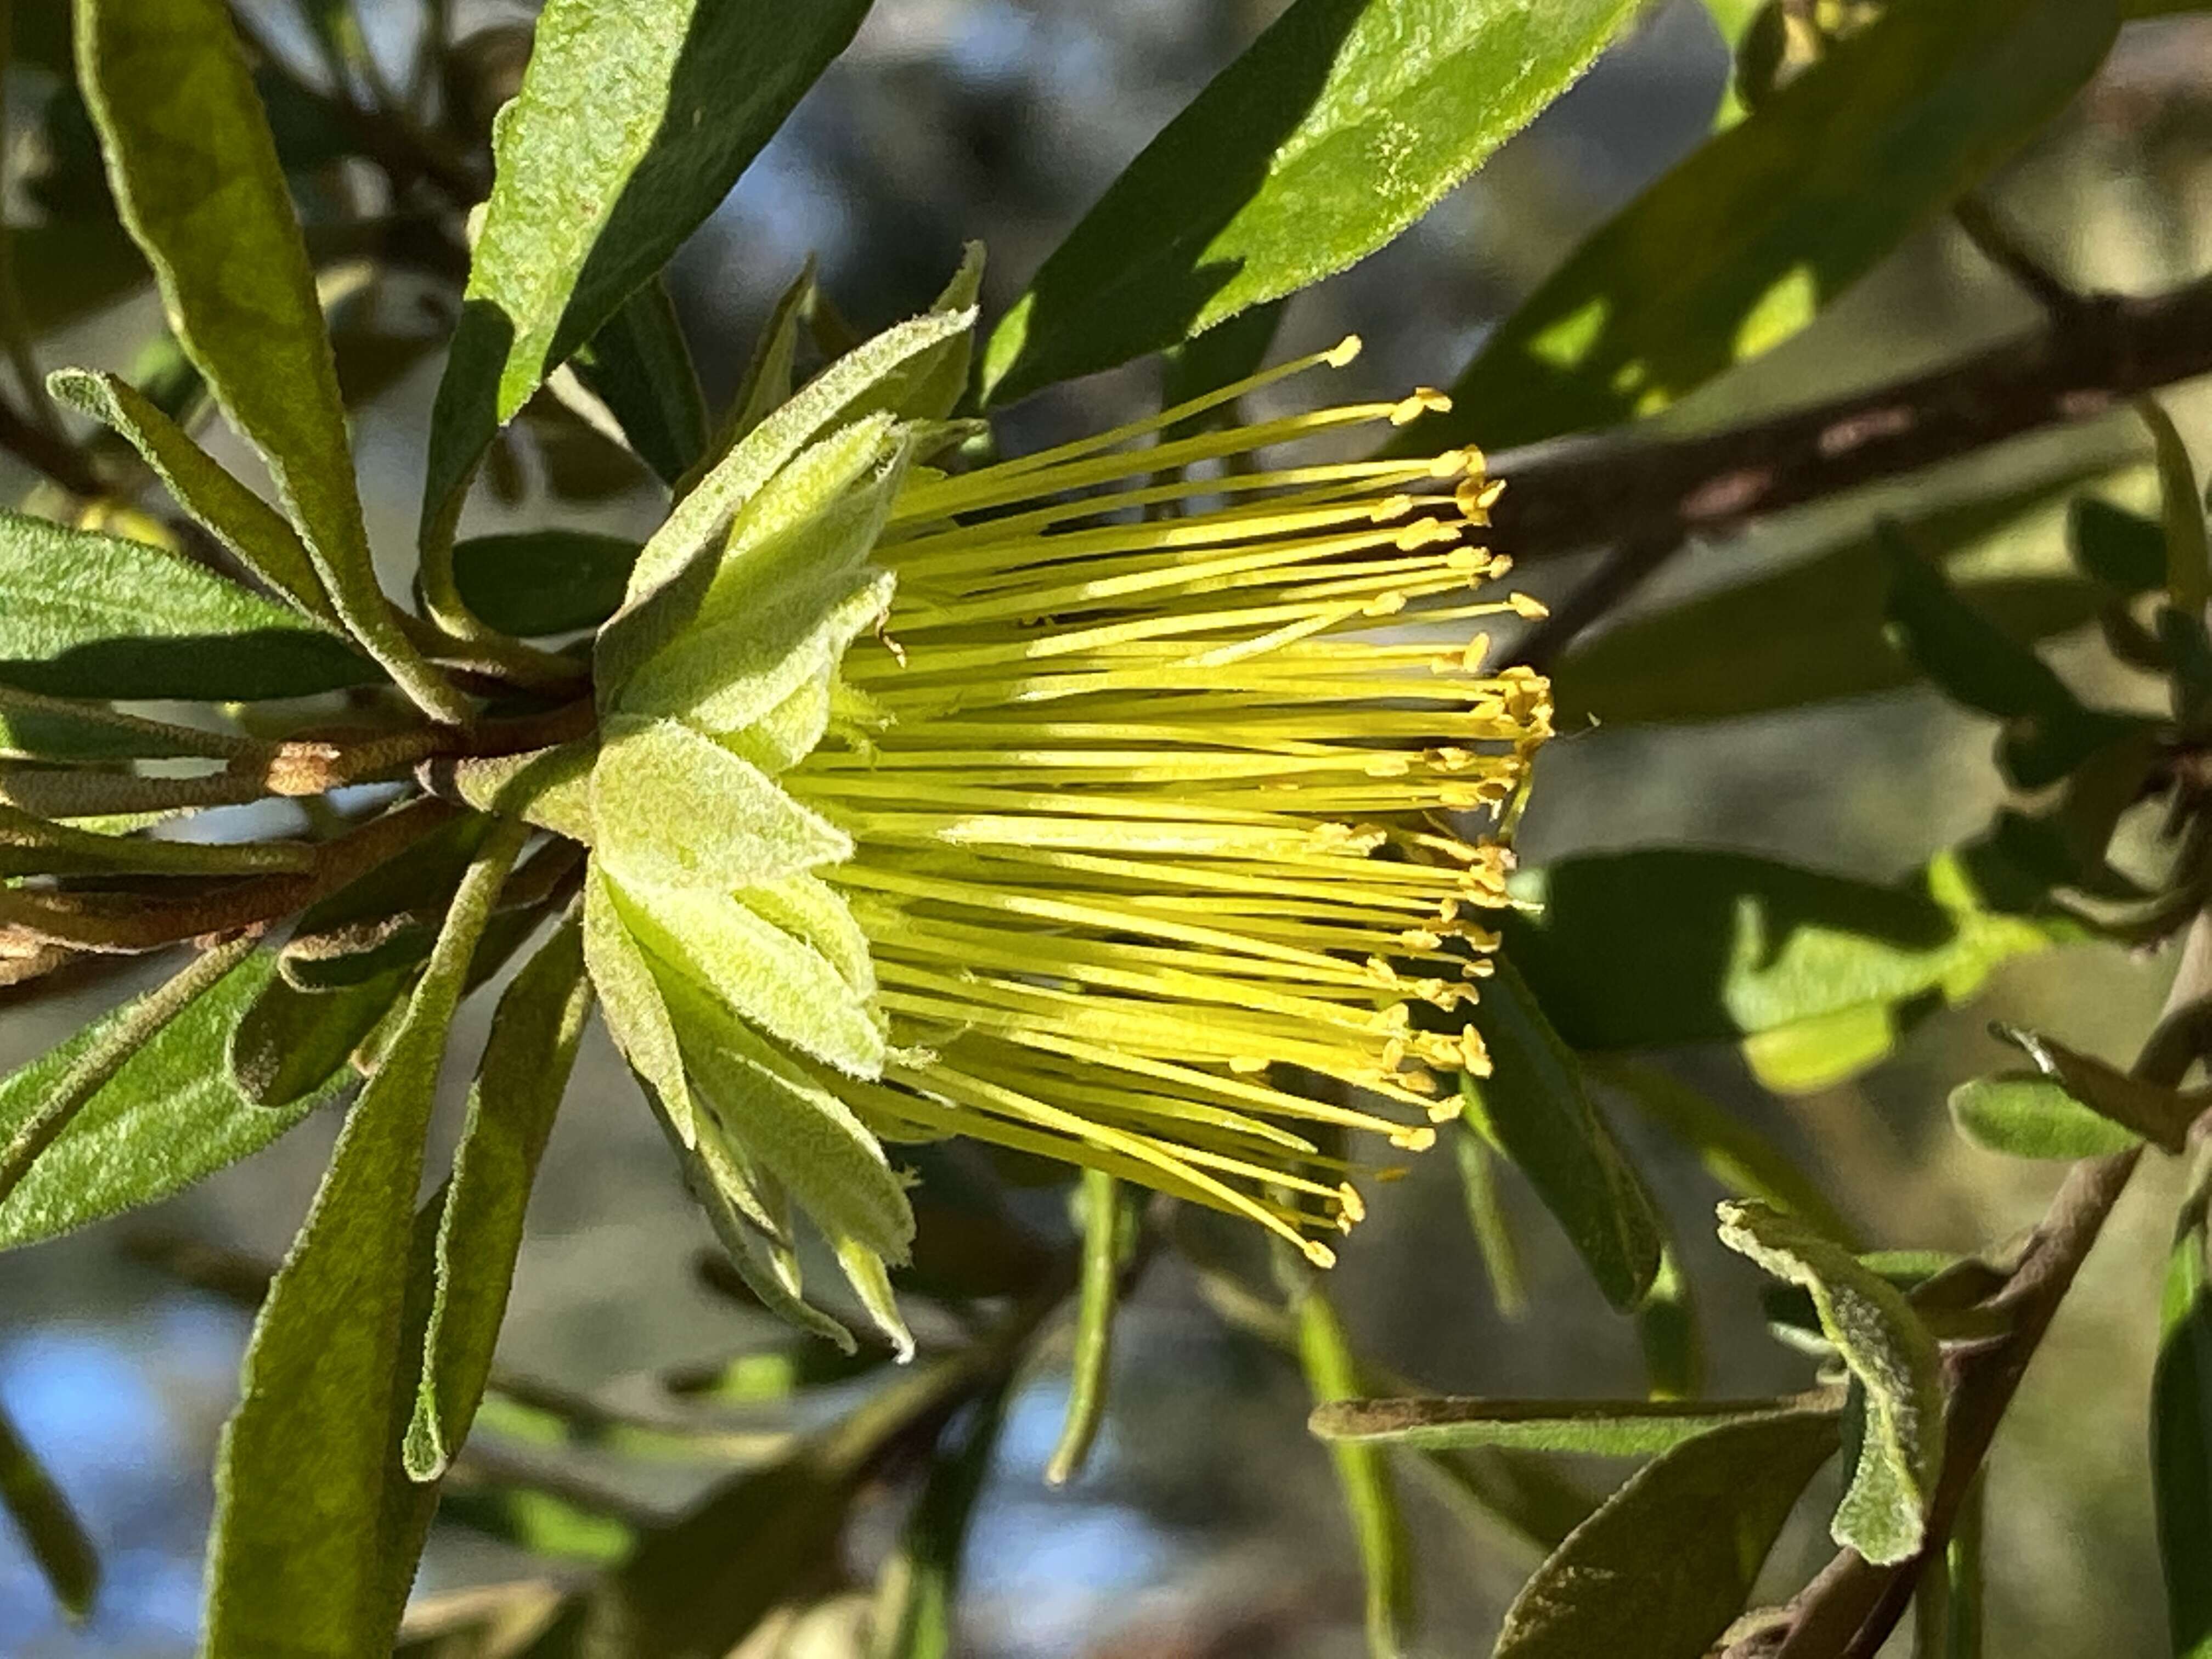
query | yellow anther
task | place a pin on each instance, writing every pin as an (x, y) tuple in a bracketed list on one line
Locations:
[(1422, 400), (1531, 610), (1340, 354)]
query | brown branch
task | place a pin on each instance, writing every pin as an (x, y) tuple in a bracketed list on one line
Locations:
[(1622, 571), (1849, 1610), (1572, 493)]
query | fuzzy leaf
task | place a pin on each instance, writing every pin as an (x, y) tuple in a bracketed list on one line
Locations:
[(737, 958), (322, 1377), (2027, 1114), (630, 1001), (806, 1138), (519, 1082), (263, 541), (671, 579), (1333, 132), (1601, 1428), (2158, 1114), (1667, 1562), (83, 615), (1893, 1358), (35, 727), (289, 1041), (196, 175), (635, 119), (30, 846), (170, 1116), (672, 808)]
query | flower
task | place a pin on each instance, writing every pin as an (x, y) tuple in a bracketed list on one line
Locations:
[(1092, 804)]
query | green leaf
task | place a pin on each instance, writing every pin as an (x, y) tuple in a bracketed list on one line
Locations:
[(638, 365), (2157, 1114), (1893, 1360), (1739, 246), (219, 503), (196, 175), (2123, 550), (169, 1116), (1486, 1219), (1666, 946), (915, 1594), (635, 119), (296, 1562), (1734, 1154), (1667, 1562), (2181, 1429), (1536, 1108), (519, 1082), (2188, 558), (2048, 732), (30, 846), (287, 1042), (532, 582), (1102, 1215), (2027, 1114), (33, 727), (1600, 1428), (1814, 631), (91, 616), (1338, 129), (49, 1527), (1332, 1372), (1666, 1331)]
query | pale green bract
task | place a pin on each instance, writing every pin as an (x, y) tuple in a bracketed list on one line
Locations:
[(723, 963)]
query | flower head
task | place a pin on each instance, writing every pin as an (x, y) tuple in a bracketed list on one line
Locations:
[(1094, 804)]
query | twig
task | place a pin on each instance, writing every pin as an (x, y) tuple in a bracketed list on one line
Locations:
[(1572, 493), (1849, 1610)]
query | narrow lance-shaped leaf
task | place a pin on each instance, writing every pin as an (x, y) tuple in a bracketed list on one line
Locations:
[(74, 1087), (2181, 1426), (2158, 1114), (2048, 731), (196, 175), (599, 177), (1337, 130), (1371, 1496), (638, 365), (169, 1115), (1893, 1358), (2029, 1114), (35, 727), (30, 846), (1740, 246), (84, 615), (1486, 1219), (306, 1573), (219, 503), (49, 1526), (1536, 1107), (1666, 1331), (1667, 1562), (1100, 1212), (2188, 559), (1597, 1428), (519, 1082)]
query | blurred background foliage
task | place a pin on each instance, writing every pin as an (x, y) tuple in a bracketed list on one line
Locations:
[(1750, 698)]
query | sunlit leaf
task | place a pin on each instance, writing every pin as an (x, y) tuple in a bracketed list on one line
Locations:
[(1334, 132), (1741, 245)]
